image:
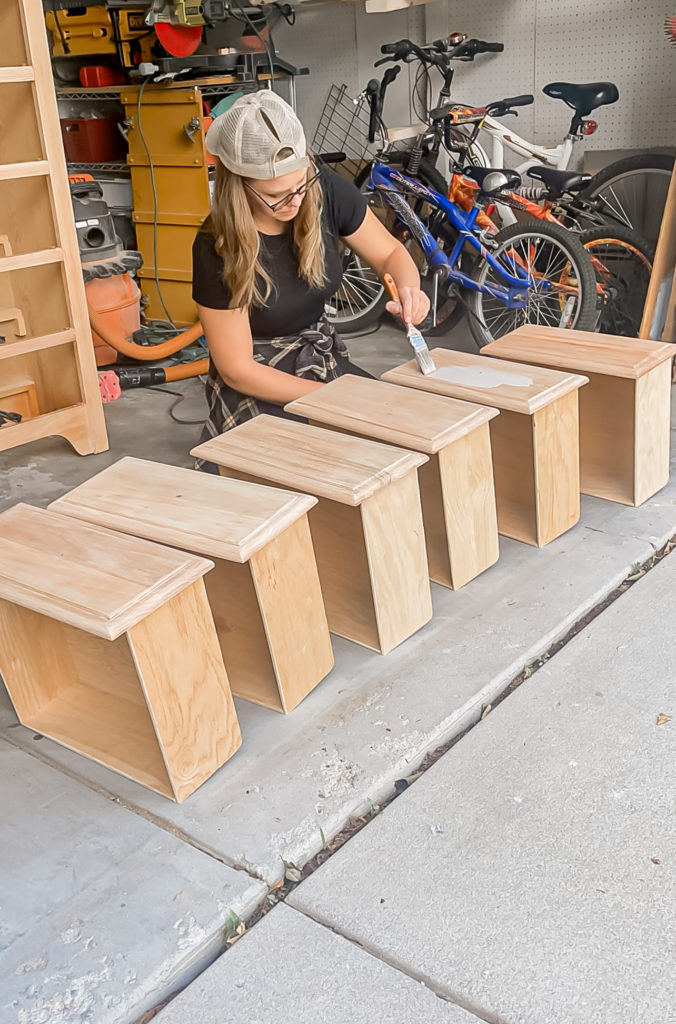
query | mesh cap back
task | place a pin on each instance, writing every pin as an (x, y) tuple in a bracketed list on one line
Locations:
[(249, 137)]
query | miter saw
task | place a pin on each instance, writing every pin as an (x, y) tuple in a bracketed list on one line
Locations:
[(174, 35)]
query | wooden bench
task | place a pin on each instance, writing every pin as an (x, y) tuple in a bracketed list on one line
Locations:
[(625, 412), (456, 485), (107, 646), (534, 440), (367, 527), (264, 590)]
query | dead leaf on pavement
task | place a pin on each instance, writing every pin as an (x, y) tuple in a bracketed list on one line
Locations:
[(663, 719), (656, 860)]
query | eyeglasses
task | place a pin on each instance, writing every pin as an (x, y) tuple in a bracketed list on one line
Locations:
[(281, 203)]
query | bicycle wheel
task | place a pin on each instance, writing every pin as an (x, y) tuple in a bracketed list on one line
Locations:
[(622, 262), (361, 299), (549, 253), (632, 192)]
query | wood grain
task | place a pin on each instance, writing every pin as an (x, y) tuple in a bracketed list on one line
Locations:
[(547, 386), (580, 351), (33, 142), (85, 575), (652, 442), (80, 691), (557, 468), (286, 581), (241, 634), (342, 561), (211, 515), (399, 416), (469, 507), (607, 431), (397, 559), (309, 459), (434, 522), (34, 673), (514, 474), (181, 671)]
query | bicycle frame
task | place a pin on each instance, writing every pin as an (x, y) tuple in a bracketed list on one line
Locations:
[(385, 179), (553, 156)]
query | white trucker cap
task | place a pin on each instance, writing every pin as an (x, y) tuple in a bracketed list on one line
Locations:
[(248, 137)]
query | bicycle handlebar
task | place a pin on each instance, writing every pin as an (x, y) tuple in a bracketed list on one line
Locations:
[(439, 52), (372, 90)]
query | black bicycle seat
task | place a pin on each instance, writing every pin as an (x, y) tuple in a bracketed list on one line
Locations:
[(583, 98), (558, 182), (504, 180)]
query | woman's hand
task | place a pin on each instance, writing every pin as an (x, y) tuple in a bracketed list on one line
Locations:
[(413, 305)]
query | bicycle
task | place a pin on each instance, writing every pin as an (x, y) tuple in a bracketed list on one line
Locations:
[(622, 261), (630, 192), (534, 272)]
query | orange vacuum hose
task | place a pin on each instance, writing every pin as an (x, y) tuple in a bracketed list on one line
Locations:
[(183, 370), (148, 352)]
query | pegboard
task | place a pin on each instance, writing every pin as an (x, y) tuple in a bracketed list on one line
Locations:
[(620, 41), (339, 42)]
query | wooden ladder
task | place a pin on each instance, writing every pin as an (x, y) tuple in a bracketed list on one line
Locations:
[(44, 326)]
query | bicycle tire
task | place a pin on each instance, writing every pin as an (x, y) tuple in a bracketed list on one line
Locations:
[(361, 281), (450, 310), (622, 261), (616, 187), (582, 318)]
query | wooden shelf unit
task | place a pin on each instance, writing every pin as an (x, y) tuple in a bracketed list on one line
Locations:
[(46, 339)]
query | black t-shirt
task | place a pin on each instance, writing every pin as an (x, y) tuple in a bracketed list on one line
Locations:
[(292, 305)]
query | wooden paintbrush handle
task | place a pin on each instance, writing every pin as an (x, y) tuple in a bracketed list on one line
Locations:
[(391, 287)]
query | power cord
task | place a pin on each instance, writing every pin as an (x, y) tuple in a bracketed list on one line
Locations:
[(155, 200), (65, 45), (180, 397), (266, 46)]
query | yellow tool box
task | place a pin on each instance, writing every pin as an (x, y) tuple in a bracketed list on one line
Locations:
[(81, 31)]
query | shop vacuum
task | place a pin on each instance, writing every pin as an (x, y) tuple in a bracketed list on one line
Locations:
[(114, 301)]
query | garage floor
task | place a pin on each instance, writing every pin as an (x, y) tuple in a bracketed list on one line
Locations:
[(113, 897)]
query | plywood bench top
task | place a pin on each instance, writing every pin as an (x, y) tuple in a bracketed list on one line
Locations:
[(84, 575), (531, 387), (322, 462), (423, 422), (213, 515), (581, 350)]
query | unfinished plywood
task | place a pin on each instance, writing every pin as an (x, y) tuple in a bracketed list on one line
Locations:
[(107, 645), (264, 590), (456, 485), (387, 413), (42, 300), (320, 462), (625, 409), (367, 530), (534, 440)]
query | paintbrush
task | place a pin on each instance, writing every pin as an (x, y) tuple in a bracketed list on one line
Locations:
[(422, 354)]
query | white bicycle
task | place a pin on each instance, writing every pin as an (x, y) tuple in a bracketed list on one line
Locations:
[(631, 192)]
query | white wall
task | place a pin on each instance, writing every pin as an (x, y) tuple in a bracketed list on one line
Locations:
[(621, 41), (339, 42)]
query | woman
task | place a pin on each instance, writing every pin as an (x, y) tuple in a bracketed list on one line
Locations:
[(267, 259)]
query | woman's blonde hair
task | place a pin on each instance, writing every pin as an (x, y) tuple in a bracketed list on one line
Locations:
[(237, 241)]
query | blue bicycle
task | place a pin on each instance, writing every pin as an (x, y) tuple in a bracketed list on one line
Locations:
[(530, 272)]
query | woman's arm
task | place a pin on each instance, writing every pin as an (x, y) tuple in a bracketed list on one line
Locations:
[(228, 335), (375, 245)]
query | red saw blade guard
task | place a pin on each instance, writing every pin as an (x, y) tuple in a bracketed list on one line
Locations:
[(178, 40)]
